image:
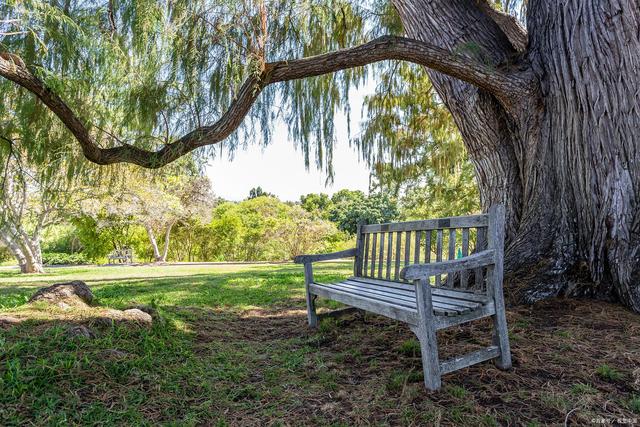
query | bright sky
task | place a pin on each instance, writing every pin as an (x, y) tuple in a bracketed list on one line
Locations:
[(279, 168)]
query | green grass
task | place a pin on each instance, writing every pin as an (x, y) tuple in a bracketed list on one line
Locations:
[(583, 389), (55, 380), (608, 373), (233, 348)]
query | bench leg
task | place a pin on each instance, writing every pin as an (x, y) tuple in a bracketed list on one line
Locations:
[(501, 339), (425, 330), (430, 362), (312, 317)]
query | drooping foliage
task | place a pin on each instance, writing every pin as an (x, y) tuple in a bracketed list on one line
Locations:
[(414, 147), (145, 72)]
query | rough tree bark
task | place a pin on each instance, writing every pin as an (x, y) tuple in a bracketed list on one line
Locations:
[(550, 118), (565, 161)]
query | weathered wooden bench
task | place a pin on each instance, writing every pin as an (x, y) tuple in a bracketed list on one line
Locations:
[(394, 276), (124, 255)]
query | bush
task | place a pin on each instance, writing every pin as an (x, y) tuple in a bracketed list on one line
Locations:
[(61, 258)]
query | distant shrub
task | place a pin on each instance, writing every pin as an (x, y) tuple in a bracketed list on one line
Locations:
[(61, 258)]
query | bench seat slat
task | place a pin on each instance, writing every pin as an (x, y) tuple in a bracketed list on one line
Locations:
[(405, 302), (392, 311), (412, 294), (457, 293), (397, 285), (380, 299), (439, 303), (449, 303)]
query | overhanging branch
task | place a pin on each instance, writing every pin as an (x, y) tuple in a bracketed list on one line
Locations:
[(507, 86)]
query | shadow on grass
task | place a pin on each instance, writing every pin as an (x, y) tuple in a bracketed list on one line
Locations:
[(248, 287), (235, 350), (213, 364)]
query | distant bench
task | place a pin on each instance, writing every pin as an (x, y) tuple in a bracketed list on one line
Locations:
[(122, 256), (394, 276)]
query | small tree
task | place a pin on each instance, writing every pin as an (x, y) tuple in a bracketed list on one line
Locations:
[(156, 203), (318, 204), (302, 234), (258, 192), (352, 207)]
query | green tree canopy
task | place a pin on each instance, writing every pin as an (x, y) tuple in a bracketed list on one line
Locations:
[(352, 207)]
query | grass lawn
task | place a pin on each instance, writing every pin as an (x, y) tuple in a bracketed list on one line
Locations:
[(233, 348)]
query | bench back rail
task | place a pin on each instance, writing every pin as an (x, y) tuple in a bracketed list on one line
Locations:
[(383, 250)]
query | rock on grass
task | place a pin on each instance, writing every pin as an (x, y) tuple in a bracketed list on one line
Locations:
[(64, 295), (130, 316), (8, 321), (80, 331)]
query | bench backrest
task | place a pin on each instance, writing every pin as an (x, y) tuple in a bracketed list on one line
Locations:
[(384, 249)]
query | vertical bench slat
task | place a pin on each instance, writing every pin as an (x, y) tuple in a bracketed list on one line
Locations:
[(481, 244), (366, 254), (452, 255), (427, 247), (439, 254), (373, 255), (381, 255), (416, 253), (464, 274), (396, 273), (407, 248), (359, 261), (389, 247)]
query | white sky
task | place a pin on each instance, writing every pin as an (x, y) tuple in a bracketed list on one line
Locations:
[(279, 168)]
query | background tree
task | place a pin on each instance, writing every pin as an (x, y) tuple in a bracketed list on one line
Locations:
[(157, 202), (349, 208), (32, 199), (258, 192), (548, 114), (100, 233), (317, 204), (264, 228)]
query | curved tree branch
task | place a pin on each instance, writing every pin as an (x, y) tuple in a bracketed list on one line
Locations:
[(508, 86)]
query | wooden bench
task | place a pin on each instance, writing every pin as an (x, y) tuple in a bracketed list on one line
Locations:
[(124, 255), (394, 276)]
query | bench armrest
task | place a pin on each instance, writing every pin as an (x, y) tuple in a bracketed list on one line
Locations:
[(419, 271), (305, 259)]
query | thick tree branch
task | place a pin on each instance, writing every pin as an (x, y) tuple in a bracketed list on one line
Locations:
[(512, 29), (510, 87)]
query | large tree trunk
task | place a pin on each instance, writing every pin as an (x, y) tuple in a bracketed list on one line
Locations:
[(566, 162)]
